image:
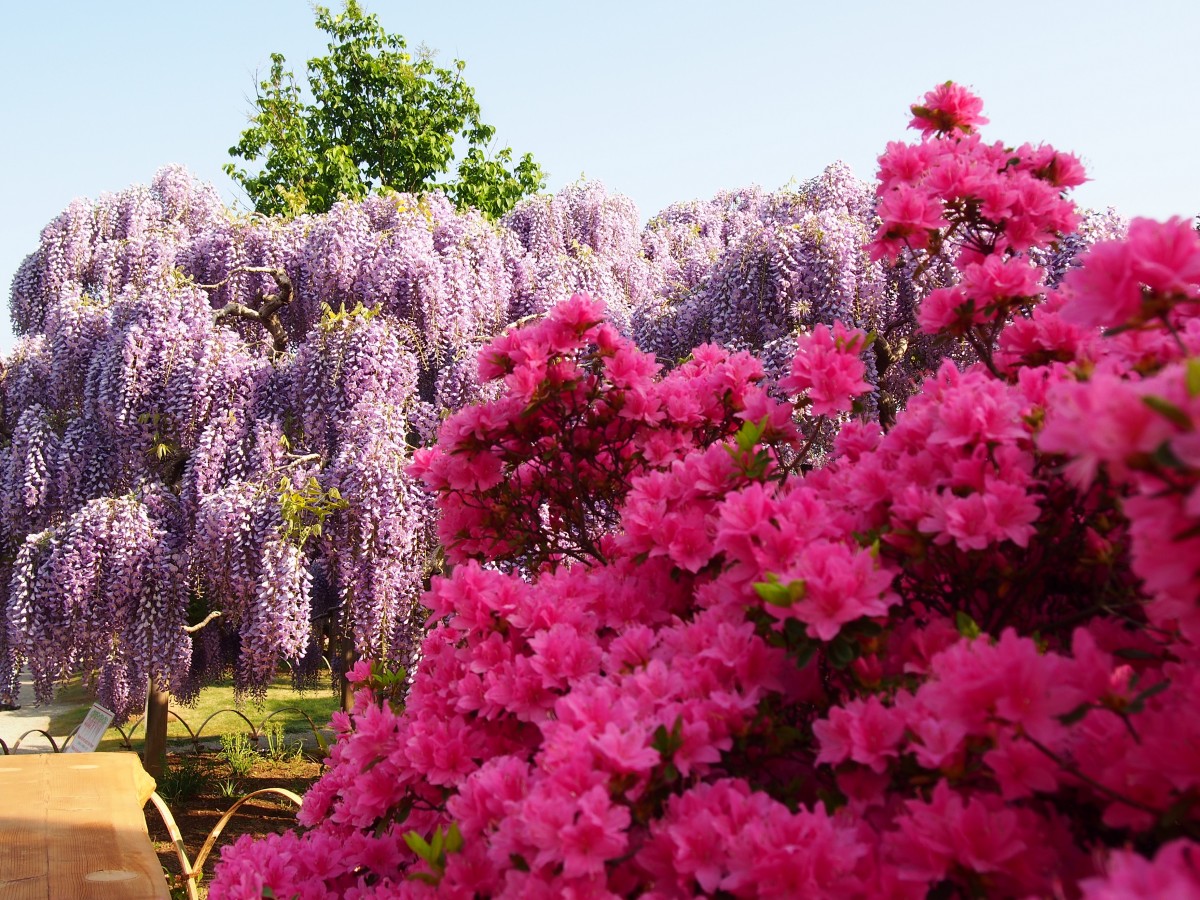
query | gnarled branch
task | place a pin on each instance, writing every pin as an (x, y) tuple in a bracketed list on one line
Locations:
[(192, 629), (266, 315)]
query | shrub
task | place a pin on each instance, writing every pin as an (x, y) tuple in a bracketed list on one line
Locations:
[(957, 658)]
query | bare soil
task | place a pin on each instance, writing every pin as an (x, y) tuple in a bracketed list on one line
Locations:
[(197, 813)]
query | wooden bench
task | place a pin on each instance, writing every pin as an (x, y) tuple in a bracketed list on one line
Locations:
[(72, 828)]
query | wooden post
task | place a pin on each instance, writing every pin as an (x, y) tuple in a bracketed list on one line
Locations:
[(154, 754)]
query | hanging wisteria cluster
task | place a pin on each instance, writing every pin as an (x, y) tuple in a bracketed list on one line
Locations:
[(581, 239), (748, 268), (235, 400)]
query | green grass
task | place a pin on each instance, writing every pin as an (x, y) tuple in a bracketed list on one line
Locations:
[(320, 704), (74, 693)]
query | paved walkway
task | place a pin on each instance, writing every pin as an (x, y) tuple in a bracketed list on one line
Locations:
[(16, 722)]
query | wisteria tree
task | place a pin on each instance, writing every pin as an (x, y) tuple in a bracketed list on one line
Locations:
[(212, 415)]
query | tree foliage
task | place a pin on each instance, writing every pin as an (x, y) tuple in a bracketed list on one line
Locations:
[(379, 117)]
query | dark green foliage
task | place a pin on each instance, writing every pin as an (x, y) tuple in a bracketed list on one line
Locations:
[(183, 781)]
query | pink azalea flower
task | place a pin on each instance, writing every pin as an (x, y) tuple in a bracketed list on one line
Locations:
[(948, 107), (947, 309), (1021, 769), (626, 751), (1105, 290), (978, 834), (562, 655), (840, 585), (1166, 255), (999, 279), (1174, 872), (910, 213), (865, 731), (595, 836), (827, 365)]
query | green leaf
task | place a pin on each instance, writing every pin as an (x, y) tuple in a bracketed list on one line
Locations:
[(866, 628), (454, 839), (804, 654), (1135, 653), (1139, 702), (832, 798), (795, 631), (966, 626), (1193, 377), (1164, 455), (842, 652), (418, 845), (750, 434), (402, 811), (1169, 411), (1076, 714), (661, 741), (773, 592), (782, 595)]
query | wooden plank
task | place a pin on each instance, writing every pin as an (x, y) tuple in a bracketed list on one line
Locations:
[(77, 829), (25, 796)]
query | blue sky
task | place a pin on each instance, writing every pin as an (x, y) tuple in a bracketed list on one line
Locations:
[(660, 101)]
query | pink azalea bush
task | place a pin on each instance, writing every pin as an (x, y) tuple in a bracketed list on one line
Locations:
[(670, 660)]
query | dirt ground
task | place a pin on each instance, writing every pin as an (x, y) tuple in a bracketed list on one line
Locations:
[(197, 811)]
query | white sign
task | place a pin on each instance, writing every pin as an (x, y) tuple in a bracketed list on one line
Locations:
[(87, 737)]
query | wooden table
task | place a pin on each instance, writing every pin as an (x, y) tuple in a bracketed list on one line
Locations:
[(72, 828)]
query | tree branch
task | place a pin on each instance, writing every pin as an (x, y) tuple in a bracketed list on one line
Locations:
[(268, 314), (192, 629), (297, 458)]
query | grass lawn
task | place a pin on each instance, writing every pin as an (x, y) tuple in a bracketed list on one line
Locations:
[(319, 704)]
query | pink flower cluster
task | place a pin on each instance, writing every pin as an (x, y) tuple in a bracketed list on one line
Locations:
[(961, 657), (829, 366), (948, 107), (982, 206), (537, 476)]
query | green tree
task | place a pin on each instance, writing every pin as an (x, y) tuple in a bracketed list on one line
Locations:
[(379, 118)]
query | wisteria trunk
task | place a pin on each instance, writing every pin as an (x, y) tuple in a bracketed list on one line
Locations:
[(154, 754), (348, 659)]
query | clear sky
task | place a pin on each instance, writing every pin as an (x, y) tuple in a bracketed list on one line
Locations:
[(662, 101)]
